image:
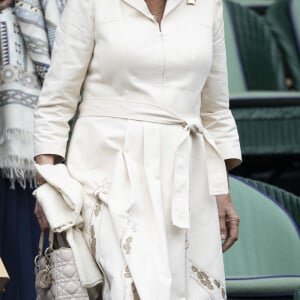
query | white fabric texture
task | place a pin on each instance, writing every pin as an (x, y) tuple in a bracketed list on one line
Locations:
[(149, 145)]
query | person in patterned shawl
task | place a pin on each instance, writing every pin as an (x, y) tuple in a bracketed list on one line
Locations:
[(27, 31)]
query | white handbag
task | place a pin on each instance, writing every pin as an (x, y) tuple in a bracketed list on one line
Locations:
[(61, 199), (56, 274)]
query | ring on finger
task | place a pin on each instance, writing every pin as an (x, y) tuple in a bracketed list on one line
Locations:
[(233, 223)]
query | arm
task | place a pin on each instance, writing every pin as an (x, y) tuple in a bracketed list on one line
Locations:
[(58, 100), (218, 120), (42, 159), (215, 113), (57, 104)]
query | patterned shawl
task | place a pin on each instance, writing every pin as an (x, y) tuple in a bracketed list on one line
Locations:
[(26, 39)]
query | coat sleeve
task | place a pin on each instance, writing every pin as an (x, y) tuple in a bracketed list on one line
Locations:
[(72, 51), (215, 113)]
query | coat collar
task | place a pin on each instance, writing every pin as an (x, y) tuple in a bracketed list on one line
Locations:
[(141, 6), (171, 4)]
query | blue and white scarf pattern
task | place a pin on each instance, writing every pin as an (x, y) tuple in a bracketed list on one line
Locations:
[(26, 39)]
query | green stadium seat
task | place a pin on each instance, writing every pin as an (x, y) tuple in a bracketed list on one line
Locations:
[(236, 76), (279, 18), (258, 52), (255, 3), (295, 13), (265, 99), (265, 262), (288, 200), (268, 121), (266, 112)]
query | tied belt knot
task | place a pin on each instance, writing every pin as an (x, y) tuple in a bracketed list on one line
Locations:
[(194, 126), (151, 113)]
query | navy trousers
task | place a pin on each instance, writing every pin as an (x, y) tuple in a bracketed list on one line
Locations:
[(19, 234)]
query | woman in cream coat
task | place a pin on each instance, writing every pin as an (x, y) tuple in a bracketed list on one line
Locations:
[(151, 144)]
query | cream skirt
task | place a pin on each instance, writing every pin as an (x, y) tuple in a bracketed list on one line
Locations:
[(128, 207)]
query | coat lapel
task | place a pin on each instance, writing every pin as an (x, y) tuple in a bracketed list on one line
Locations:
[(171, 5), (141, 6)]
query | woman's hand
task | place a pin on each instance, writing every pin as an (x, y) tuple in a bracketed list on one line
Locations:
[(6, 3), (229, 221), (38, 211)]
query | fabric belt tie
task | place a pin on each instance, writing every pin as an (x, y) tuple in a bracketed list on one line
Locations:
[(181, 179), (192, 128)]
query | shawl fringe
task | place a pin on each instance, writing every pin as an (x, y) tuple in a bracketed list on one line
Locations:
[(16, 134), (18, 170)]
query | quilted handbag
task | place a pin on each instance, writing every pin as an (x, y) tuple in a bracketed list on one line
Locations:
[(56, 275)]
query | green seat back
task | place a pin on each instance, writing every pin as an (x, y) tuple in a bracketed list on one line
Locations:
[(295, 13), (256, 3), (236, 77), (279, 18), (266, 259), (288, 200), (260, 55)]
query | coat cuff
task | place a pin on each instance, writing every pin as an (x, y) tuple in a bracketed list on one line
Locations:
[(231, 154), (50, 148)]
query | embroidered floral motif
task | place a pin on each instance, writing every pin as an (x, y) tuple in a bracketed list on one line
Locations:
[(103, 187), (217, 283), (223, 293), (203, 277), (187, 243), (214, 286), (127, 245), (97, 209), (93, 240), (127, 273)]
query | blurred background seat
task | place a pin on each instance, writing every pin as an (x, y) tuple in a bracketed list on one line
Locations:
[(236, 76), (264, 73), (265, 262), (288, 201), (295, 13), (255, 3), (259, 54), (279, 18)]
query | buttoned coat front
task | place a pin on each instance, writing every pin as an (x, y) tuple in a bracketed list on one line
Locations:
[(149, 145)]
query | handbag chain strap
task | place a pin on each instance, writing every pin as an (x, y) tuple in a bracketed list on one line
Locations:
[(43, 276), (41, 243)]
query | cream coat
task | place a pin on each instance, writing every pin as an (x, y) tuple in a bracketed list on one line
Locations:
[(149, 146)]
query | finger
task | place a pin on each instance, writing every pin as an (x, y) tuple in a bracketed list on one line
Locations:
[(44, 224), (228, 243), (40, 180), (223, 229), (233, 232), (38, 211)]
